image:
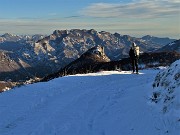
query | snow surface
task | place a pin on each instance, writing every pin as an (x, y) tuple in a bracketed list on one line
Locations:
[(104, 103), (167, 93)]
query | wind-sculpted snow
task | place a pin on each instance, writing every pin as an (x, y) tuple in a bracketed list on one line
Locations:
[(166, 93), (103, 103)]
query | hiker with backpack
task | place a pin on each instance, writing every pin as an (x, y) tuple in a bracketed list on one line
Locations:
[(134, 56)]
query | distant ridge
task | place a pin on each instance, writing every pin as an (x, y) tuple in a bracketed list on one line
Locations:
[(173, 46), (24, 57), (157, 40)]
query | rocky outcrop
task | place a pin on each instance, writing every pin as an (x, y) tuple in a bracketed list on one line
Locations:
[(90, 62)]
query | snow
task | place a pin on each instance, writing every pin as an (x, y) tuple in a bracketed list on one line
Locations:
[(6, 88), (171, 44), (103, 103), (167, 83)]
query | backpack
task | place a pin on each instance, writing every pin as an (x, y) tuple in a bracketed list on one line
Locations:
[(136, 50)]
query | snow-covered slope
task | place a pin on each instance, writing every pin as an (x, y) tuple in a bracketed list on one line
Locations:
[(166, 94), (104, 103)]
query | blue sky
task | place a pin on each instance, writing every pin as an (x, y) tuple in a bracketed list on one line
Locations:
[(132, 17)]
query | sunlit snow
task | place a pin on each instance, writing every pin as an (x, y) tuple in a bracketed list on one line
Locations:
[(103, 103)]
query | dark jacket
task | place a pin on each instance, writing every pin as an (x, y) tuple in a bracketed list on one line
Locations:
[(132, 54)]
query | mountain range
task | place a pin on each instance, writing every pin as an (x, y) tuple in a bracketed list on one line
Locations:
[(157, 40), (23, 57)]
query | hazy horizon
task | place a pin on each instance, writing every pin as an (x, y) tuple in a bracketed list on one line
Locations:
[(47, 34), (136, 18)]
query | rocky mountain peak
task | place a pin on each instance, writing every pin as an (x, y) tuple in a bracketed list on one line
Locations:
[(1, 39), (59, 33), (97, 51), (147, 37), (92, 31), (117, 34), (11, 37), (7, 35)]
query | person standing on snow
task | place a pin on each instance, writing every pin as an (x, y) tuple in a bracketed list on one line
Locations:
[(134, 55)]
